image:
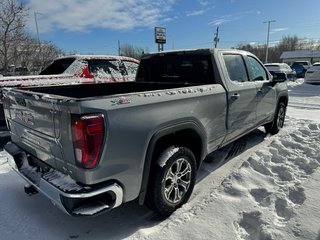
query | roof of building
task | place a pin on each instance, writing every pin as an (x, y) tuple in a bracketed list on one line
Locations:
[(300, 54)]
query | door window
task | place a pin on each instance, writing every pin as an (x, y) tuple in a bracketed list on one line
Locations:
[(236, 67), (258, 72)]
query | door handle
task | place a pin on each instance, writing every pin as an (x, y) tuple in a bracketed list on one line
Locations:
[(235, 96)]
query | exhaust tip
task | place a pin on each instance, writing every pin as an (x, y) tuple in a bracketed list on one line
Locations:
[(91, 205)]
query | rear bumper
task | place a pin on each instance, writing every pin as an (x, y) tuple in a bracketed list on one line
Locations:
[(63, 191), (312, 80)]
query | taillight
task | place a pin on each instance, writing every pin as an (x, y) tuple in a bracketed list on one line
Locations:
[(86, 73), (88, 136)]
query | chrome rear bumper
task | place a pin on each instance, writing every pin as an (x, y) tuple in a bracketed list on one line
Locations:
[(63, 191)]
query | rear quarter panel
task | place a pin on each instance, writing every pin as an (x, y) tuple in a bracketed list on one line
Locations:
[(130, 127)]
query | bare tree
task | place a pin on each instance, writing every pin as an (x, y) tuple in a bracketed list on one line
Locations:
[(258, 50), (32, 58), (131, 51), (287, 43), (48, 53), (12, 24)]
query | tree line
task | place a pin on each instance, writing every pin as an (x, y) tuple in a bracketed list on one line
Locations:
[(287, 43), (17, 47)]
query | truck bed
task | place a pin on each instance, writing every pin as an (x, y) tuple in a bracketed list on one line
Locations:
[(96, 90)]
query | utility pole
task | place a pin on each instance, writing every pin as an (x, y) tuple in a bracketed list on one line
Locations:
[(216, 38), (172, 42), (119, 48), (39, 43), (36, 21), (267, 48)]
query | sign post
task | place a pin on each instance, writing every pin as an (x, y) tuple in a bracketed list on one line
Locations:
[(160, 37)]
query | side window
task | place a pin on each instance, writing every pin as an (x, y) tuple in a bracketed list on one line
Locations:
[(131, 68), (236, 67), (258, 72), (106, 69)]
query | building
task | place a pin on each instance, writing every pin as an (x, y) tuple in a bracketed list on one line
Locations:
[(302, 55)]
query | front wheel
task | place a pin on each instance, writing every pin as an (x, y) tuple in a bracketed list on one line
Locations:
[(278, 120), (173, 181)]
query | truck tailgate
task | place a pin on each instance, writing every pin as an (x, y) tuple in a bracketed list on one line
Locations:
[(34, 124)]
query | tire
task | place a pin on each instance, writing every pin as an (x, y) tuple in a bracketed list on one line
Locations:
[(278, 120), (174, 176)]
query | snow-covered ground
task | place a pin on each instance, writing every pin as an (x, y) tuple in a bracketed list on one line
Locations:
[(260, 187)]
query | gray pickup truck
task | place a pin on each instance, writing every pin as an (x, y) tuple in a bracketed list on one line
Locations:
[(91, 148)]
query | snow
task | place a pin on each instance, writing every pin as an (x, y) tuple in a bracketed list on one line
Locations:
[(62, 181), (90, 210), (260, 187), (166, 155), (39, 80)]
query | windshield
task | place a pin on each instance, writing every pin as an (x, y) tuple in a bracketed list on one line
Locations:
[(273, 67)]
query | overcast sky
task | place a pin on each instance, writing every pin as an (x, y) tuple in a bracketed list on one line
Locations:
[(95, 26)]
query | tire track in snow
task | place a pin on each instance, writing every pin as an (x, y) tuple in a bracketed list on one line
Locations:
[(280, 166)]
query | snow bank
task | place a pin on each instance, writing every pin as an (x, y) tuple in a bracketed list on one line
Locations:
[(257, 201)]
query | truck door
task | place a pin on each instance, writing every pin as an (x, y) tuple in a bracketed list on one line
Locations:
[(241, 94), (266, 96)]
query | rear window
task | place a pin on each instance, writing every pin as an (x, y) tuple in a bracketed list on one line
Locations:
[(58, 66), (273, 67), (106, 67), (176, 68), (115, 68), (300, 64), (131, 67)]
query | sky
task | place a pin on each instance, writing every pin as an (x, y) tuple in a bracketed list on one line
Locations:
[(96, 26)]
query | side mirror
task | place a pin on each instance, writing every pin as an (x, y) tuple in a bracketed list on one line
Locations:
[(278, 77)]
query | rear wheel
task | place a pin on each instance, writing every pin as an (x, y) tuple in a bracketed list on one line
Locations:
[(173, 181), (278, 120)]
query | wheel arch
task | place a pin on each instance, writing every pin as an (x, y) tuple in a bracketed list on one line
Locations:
[(188, 134), (283, 99)]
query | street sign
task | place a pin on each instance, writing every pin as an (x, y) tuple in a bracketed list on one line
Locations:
[(160, 35)]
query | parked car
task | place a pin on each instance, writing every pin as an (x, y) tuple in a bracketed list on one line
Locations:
[(91, 148), (275, 68), (301, 67), (17, 71), (76, 69), (94, 68), (312, 75)]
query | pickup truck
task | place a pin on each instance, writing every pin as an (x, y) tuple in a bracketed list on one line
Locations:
[(76, 69), (92, 148)]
